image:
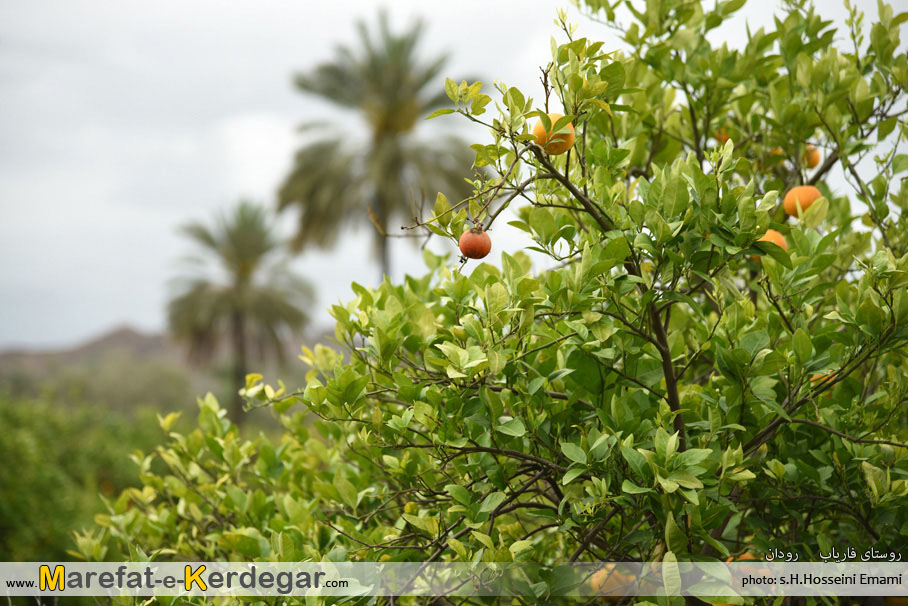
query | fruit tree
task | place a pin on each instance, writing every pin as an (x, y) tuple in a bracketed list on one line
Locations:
[(646, 392)]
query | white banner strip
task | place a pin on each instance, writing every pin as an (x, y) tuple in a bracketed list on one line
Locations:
[(702, 579)]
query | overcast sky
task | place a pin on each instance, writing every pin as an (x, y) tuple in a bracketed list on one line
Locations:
[(120, 121)]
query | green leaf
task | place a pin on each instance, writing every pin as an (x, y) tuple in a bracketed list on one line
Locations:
[(814, 216), (803, 348), (247, 542), (514, 427), (899, 162), (886, 127), (692, 456), (442, 206), (167, 422), (741, 475), (675, 538), (483, 538), (542, 223), (636, 460), (477, 107), (518, 546), (572, 474), (491, 502), (616, 248), (631, 488), (440, 112), (671, 575), (876, 480), (613, 73), (459, 494), (428, 524), (685, 479), (675, 197), (346, 490), (573, 452), (730, 6), (496, 298), (667, 484), (777, 253), (451, 89)]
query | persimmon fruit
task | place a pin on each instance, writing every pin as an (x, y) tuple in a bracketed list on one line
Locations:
[(475, 243), (775, 237), (553, 143), (818, 378), (610, 584), (812, 156), (803, 194), (744, 557)]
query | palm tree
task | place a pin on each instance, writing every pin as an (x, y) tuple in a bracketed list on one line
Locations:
[(255, 302), (333, 182)]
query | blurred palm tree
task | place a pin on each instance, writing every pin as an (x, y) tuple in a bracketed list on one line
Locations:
[(376, 178), (255, 302)]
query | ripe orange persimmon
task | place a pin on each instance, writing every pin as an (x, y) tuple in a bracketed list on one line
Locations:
[(475, 243), (818, 378), (775, 237), (803, 194), (721, 135), (747, 556), (812, 156), (557, 143), (610, 584)]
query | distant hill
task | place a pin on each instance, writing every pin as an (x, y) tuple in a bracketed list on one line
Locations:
[(126, 368), (125, 340)]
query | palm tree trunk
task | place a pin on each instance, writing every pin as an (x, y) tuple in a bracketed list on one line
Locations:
[(238, 381), (383, 257), (381, 236)]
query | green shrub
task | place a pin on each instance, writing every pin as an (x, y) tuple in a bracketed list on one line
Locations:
[(672, 388), (56, 461)]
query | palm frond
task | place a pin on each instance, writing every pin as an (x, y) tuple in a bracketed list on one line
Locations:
[(258, 286), (246, 239), (440, 167), (201, 235), (384, 77), (196, 316), (326, 185)]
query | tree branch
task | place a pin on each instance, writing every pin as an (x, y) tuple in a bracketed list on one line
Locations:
[(845, 436), (588, 205)]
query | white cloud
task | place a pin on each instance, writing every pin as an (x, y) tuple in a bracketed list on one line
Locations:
[(257, 152)]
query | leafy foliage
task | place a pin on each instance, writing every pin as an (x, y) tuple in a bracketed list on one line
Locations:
[(57, 462), (670, 389)]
